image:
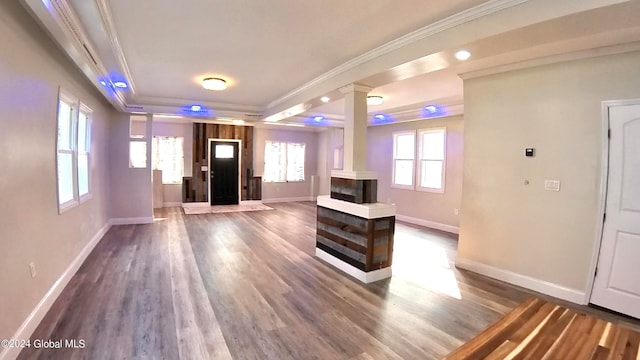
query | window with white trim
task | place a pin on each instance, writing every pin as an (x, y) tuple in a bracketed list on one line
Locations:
[(137, 154), (73, 144), (403, 159), (137, 141), (432, 154), (168, 156), (84, 152), (283, 162)]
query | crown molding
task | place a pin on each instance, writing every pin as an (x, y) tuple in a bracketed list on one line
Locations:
[(458, 19), (59, 19), (553, 59), (110, 29), (177, 102)]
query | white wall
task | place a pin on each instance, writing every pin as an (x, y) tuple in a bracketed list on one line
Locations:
[(427, 208), (287, 190), (522, 230), (172, 193), (31, 70), (130, 188), (328, 141)]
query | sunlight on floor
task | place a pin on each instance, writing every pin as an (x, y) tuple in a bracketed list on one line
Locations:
[(425, 264)]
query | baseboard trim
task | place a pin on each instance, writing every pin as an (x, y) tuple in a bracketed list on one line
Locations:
[(131, 221), (429, 224), (250, 202), (541, 286), (171, 204), (33, 320), (365, 277), (291, 199), (200, 204)]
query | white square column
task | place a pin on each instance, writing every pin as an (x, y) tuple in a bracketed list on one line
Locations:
[(355, 133)]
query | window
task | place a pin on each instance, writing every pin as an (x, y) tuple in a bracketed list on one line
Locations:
[(137, 142), (73, 144), (138, 154), (84, 150), (168, 156), (430, 168), (403, 159), (224, 151), (283, 161), (432, 160)]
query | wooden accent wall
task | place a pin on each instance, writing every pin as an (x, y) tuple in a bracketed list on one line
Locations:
[(366, 244), (201, 134)]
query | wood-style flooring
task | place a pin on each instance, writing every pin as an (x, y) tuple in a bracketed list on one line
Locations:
[(247, 286), (541, 330)]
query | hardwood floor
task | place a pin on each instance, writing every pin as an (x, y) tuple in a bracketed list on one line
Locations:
[(541, 330), (247, 286)]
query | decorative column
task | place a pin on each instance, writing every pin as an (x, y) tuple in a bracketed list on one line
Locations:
[(354, 231)]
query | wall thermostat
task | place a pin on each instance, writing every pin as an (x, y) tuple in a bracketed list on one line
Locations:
[(529, 151)]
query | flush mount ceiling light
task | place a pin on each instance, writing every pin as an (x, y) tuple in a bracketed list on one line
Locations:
[(120, 84), (374, 100), (325, 99), (462, 55), (214, 84)]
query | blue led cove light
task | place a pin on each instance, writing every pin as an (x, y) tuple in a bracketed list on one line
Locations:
[(195, 110), (433, 110)]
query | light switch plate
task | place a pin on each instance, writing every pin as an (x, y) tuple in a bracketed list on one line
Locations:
[(552, 185)]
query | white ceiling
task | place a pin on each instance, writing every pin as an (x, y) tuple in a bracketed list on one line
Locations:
[(280, 54)]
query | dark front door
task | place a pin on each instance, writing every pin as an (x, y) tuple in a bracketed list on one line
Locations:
[(224, 173)]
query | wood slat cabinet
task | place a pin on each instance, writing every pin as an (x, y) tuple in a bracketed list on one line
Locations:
[(366, 244), (355, 191)]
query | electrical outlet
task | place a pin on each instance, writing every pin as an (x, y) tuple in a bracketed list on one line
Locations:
[(456, 211), (32, 268)]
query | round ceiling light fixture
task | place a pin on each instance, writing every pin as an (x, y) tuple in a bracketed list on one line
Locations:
[(374, 100), (214, 84), (325, 99), (462, 55)]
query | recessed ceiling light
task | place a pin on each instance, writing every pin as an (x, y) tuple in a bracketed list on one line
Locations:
[(431, 108), (374, 100), (380, 117), (196, 107), (103, 83), (318, 118), (462, 55), (325, 99), (120, 84), (237, 122), (214, 84)]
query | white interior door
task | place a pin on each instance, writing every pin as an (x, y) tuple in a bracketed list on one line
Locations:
[(617, 283)]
